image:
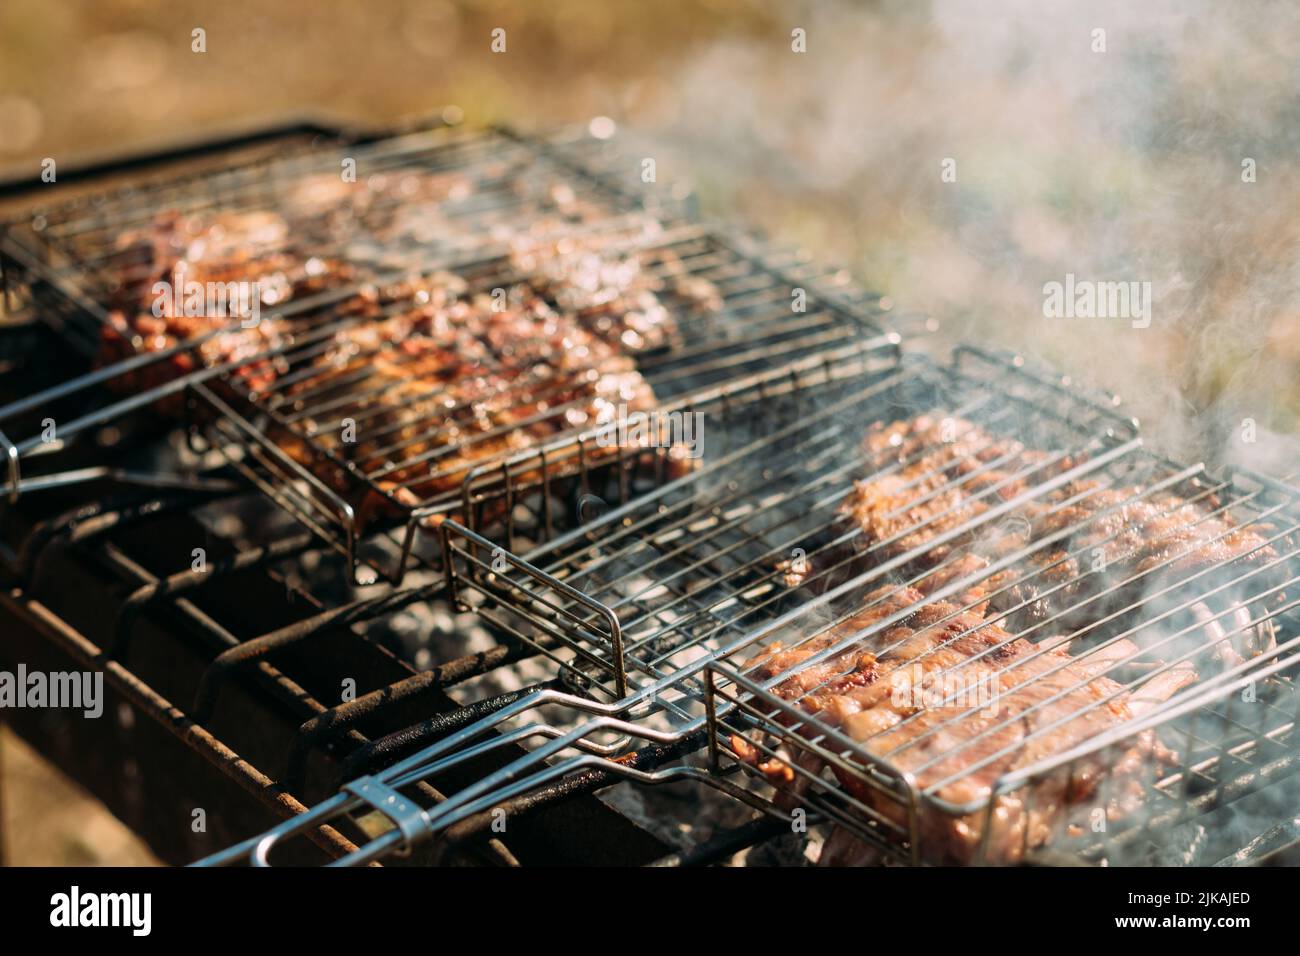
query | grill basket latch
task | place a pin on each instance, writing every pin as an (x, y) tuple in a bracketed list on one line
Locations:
[(411, 820)]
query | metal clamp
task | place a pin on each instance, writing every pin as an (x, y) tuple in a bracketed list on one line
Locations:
[(319, 496), (411, 819)]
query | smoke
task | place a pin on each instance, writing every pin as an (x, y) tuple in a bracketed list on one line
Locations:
[(1111, 141), (959, 157)]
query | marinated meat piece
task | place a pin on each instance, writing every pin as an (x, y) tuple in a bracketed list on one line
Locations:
[(960, 703), (241, 336), (430, 381), (435, 391), (196, 243), (610, 295), (191, 275), (237, 345), (933, 475), (946, 473), (975, 595), (379, 201)]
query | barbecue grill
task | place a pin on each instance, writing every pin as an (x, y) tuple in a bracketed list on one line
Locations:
[(652, 613), (64, 255), (232, 593), (238, 660)]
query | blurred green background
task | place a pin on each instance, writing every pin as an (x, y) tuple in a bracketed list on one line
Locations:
[(1118, 160)]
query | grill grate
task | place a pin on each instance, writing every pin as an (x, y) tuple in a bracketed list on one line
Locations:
[(474, 183), (530, 489), (654, 613), (701, 562), (479, 189)]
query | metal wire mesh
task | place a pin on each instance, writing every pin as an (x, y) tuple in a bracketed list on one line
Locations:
[(699, 578), (445, 203)]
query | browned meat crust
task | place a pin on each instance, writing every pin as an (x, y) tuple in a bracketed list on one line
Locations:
[(1022, 703), (434, 381), (440, 389), (1115, 533), (930, 476)]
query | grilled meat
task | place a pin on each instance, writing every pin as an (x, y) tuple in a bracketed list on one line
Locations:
[(992, 702), (430, 380), (959, 703), (189, 276), (479, 377), (433, 391), (213, 241), (1122, 542), (610, 283), (931, 476), (381, 203)]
